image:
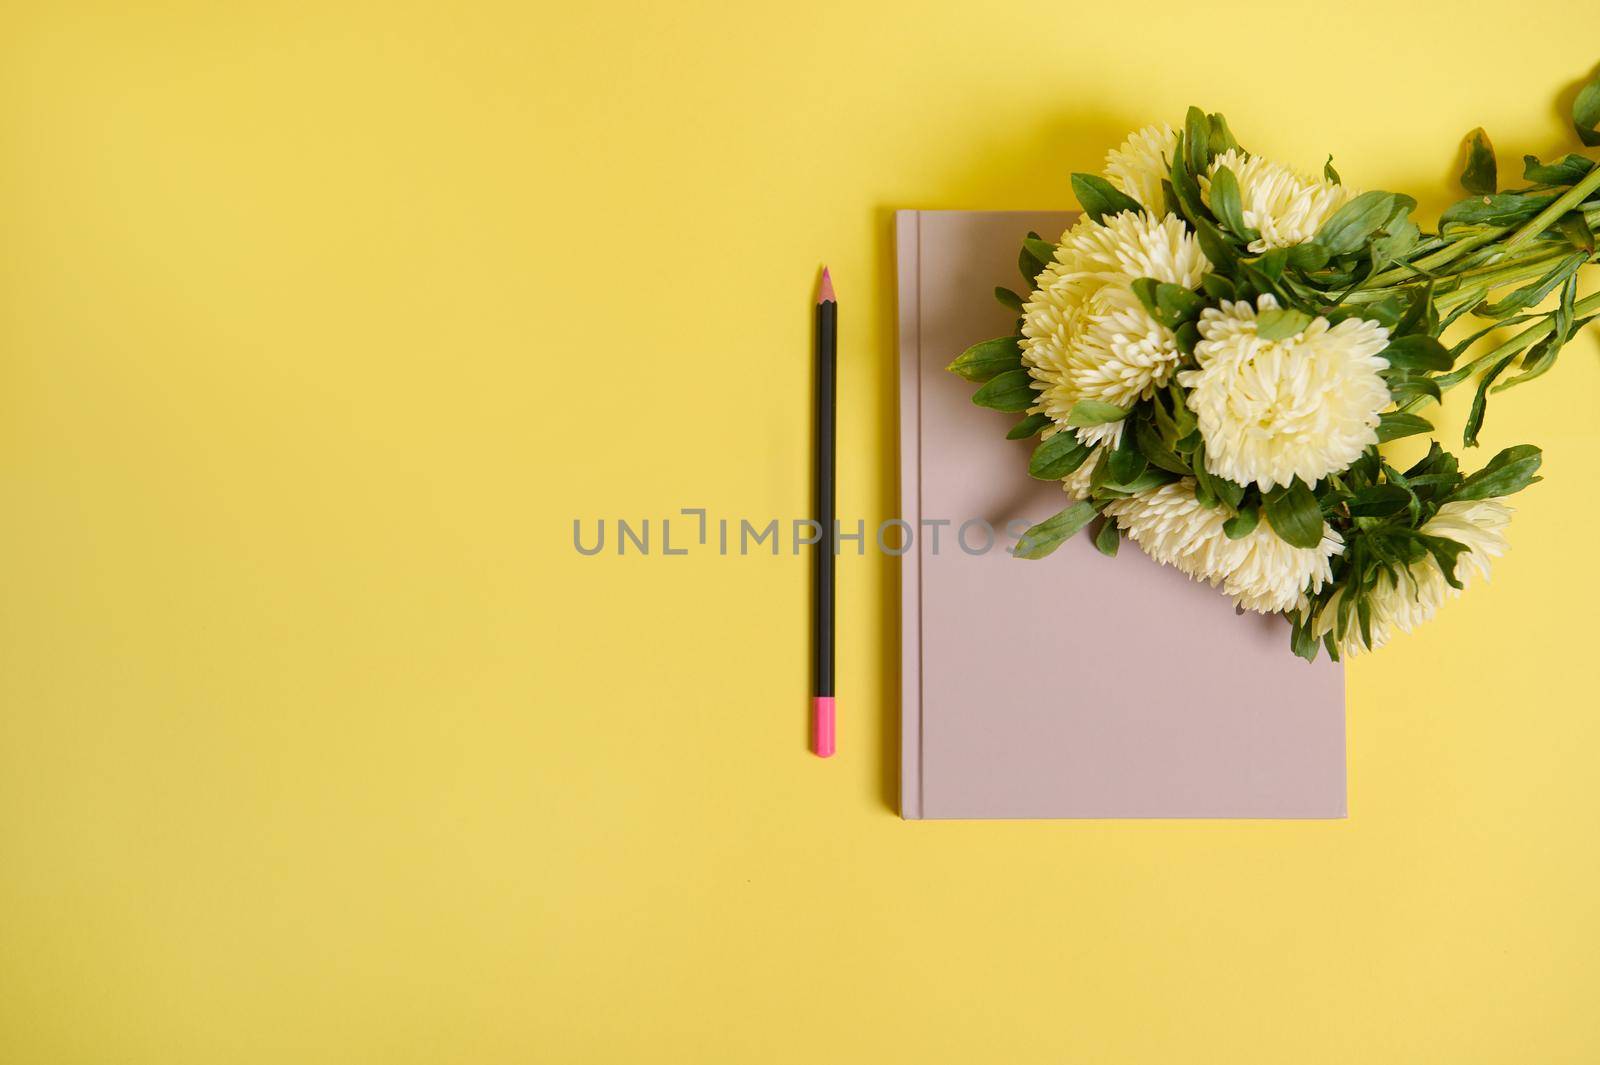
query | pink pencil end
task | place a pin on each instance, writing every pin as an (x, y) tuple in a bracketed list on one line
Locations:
[(822, 726), (825, 289)]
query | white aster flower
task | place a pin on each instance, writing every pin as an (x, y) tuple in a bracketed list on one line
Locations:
[(1086, 335), (1259, 570), (1478, 525), (1076, 483), (1123, 353), (1128, 246), (1270, 410), (1139, 165), (1285, 207)]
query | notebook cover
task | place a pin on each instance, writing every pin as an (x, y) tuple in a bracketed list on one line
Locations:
[(1076, 685)]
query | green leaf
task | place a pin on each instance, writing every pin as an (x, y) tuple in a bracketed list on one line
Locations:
[(1379, 501), (1145, 289), (1028, 426), (1586, 112), (1218, 287), (1215, 245), (1463, 344), (1008, 298), (1106, 538), (1351, 225), (1536, 363), (1041, 250), (1440, 325), (1088, 412), (1533, 293), (1030, 264), (1308, 256), (1171, 305), (1418, 352), (1125, 464), (1479, 178), (1150, 478), (1566, 311), (1100, 198), (1281, 322), (1187, 336), (1387, 312), (1294, 515), (1397, 424), (1364, 613), (1221, 139), (1212, 489), (1185, 190), (1426, 483), (1420, 316), (1396, 243), (1436, 463), (1011, 391), (1169, 197), (986, 360), (1302, 638), (1176, 305), (1413, 503), (1155, 448), (1058, 456), (1272, 263), (1405, 387), (1510, 471), (1501, 209), (1043, 538), (1226, 205), (1575, 227), (1329, 172), (1568, 170), (1480, 400), (1445, 552), (1197, 140), (1183, 419), (1255, 284), (1243, 523), (1542, 356)]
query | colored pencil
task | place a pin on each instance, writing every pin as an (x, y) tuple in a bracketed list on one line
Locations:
[(822, 618)]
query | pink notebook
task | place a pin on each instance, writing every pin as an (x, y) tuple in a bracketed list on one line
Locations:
[(1076, 685)]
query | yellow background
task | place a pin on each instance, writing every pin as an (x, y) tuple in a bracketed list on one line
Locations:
[(319, 324)]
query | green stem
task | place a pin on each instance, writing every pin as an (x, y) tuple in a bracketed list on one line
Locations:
[(1547, 217), (1480, 281), (1506, 267), (1525, 339), (1476, 240), (1499, 276), (1442, 257)]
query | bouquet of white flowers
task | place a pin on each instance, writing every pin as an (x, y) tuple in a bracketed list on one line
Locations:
[(1213, 354)]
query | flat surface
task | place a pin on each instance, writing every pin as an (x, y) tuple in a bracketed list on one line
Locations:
[(319, 742), (1015, 673)]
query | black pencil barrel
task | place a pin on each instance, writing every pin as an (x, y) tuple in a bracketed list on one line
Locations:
[(823, 504)]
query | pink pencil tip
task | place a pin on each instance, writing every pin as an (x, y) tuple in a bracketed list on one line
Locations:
[(825, 290), (822, 726)]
